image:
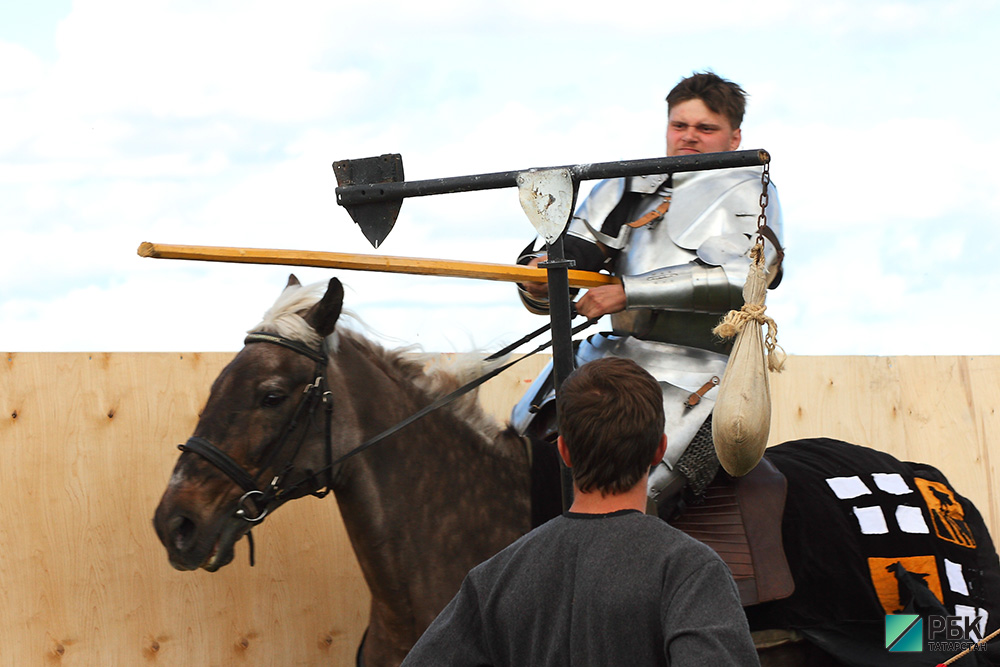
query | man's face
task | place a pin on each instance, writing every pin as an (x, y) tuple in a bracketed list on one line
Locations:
[(693, 128)]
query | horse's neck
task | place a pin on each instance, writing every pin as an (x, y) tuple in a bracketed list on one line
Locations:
[(425, 505)]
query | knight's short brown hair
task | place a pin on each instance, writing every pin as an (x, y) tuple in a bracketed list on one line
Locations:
[(611, 418), (720, 95)]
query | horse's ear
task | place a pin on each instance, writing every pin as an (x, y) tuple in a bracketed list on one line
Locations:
[(292, 281), (323, 316)]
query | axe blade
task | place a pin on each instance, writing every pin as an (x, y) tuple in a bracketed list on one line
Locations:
[(376, 219)]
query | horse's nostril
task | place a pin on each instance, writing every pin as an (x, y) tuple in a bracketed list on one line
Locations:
[(182, 530)]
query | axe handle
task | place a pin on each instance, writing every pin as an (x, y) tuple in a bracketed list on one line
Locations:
[(357, 262)]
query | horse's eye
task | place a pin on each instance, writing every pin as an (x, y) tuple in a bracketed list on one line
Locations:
[(272, 400)]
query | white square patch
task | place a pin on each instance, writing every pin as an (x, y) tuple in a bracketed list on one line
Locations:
[(848, 487), (871, 520), (956, 579), (911, 519), (891, 482)]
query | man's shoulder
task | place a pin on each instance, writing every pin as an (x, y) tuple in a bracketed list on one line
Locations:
[(536, 546), (529, 540), (634, 528), (658, 529)]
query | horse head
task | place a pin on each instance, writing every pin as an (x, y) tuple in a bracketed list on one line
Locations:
[(263, 437)]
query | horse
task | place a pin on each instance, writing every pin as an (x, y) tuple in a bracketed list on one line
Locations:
[(311, 406)]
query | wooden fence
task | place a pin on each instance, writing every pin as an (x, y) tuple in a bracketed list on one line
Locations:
[(88, 445)]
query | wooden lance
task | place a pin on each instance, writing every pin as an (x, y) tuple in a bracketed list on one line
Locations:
[(361, 262)]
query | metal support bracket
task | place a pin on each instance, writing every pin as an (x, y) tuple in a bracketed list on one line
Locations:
[(547, 197)]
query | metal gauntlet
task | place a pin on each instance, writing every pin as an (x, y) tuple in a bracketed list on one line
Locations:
[(692, 288)]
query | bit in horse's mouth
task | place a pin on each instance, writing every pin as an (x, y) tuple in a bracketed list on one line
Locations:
[(223, 550), (212, 555), (217, 557)]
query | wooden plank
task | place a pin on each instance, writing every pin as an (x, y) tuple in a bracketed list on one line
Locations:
[(850, 398), (83, 577), (984, 383), (381, 263), (89, 443)]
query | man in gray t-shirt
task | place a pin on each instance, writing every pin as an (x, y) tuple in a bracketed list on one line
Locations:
[(604, 584)]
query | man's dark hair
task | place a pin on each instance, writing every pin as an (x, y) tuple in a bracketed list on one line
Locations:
[(611, 417), (719, 95)]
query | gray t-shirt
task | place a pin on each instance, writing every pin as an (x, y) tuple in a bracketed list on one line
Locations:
[(594, 589)]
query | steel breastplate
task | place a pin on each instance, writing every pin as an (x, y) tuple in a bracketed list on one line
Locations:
[(711, 223), (712, 217)]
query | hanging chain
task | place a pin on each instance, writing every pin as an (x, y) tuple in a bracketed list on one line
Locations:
[(763, 231), (765, 180)]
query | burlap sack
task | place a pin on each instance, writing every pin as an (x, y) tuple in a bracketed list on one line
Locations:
[(741, 420)]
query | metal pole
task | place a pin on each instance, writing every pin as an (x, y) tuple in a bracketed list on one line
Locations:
[(366, 193), (560, 315)]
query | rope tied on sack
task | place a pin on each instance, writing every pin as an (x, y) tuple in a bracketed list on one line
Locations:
[(753, 311)]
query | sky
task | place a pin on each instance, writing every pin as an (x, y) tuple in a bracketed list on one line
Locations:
[(216, 123)]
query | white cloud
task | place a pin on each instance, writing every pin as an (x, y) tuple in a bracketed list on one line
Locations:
[(882, 173), (195, 60), (21, 69), (216, 124)]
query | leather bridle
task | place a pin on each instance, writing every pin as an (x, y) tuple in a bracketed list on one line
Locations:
[(256, 502)]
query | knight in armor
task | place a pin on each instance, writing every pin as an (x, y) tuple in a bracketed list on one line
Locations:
[(681, 245)]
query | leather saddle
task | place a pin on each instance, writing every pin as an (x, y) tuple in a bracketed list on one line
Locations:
[(740, 519)]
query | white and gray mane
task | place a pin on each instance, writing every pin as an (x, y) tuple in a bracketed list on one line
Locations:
[(435, 374)]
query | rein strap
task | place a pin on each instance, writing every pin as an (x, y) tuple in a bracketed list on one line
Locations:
[(444, 400)]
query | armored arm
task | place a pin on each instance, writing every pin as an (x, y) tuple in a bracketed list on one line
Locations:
[(692, 287)]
